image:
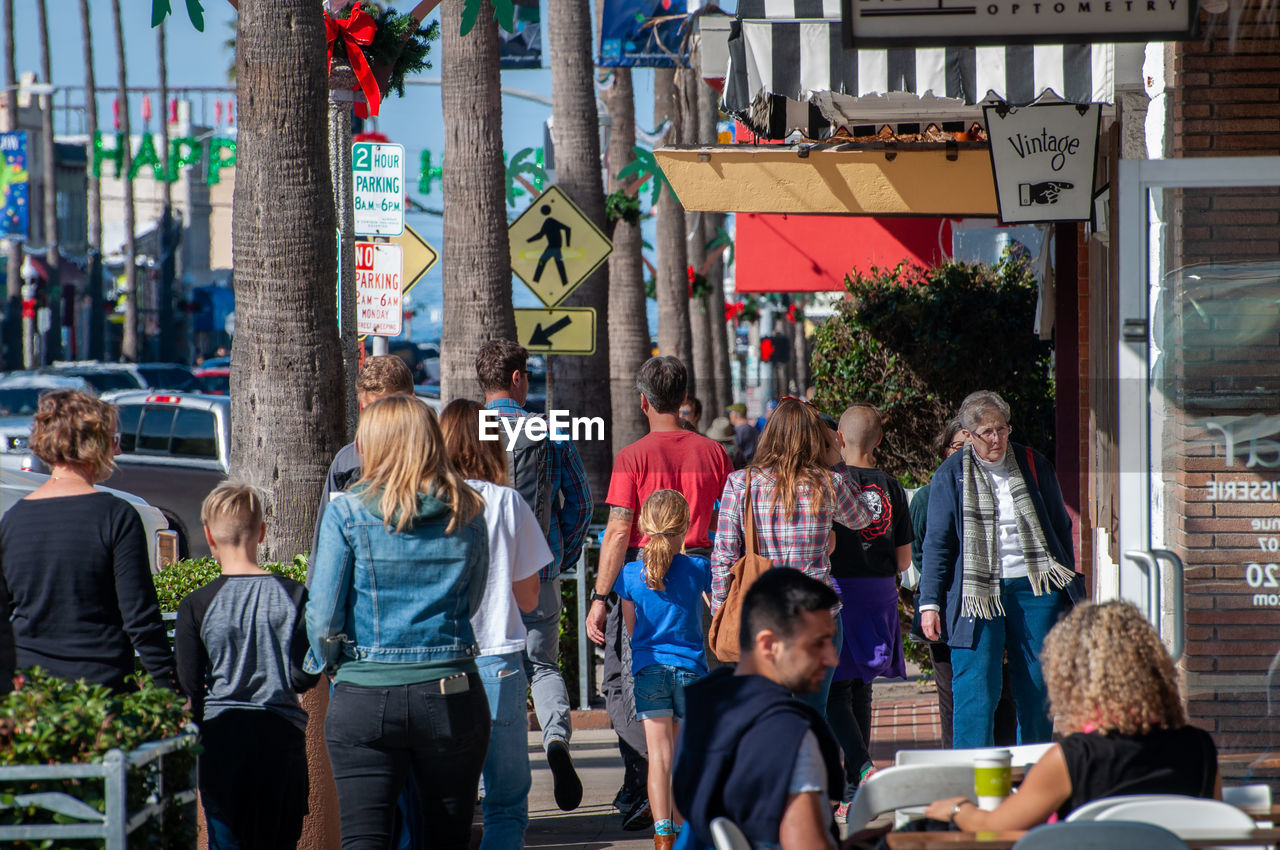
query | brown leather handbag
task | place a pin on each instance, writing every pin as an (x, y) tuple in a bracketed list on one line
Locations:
[(727, 621)]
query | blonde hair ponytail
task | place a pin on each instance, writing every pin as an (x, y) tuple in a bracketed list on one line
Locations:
[(665, 516)]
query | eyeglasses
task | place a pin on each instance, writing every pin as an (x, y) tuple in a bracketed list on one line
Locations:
[(991, 434)]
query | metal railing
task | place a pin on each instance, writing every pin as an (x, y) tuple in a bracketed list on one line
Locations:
[(115, 824), (578, 572)]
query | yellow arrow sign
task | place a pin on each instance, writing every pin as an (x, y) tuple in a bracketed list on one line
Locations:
[(419, 256), (555, 247), (570, 330)]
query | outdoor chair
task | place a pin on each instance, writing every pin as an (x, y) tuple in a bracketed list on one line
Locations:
[(1254, 799), (1187, 817), (1095, 835), (1023, 755), (907, 785), (1092, 809), (726, 835)]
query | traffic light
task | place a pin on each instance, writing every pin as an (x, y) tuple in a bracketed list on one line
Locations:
[(781, 348), (766, 350)]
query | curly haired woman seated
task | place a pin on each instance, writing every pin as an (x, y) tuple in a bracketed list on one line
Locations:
[(1113, 688)]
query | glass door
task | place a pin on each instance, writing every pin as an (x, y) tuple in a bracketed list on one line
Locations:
[(1199, 397)]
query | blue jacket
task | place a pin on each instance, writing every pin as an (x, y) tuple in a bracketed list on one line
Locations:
[(942, 577), (399, 597)]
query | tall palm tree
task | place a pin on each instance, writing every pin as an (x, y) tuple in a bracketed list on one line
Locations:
[(168, 332), (287, 400), (720, 395), (672, 278), (129, 339), (97, 314), (579, 379), (49, 210), (628, 317), (687, 84), (477, 274), (13, 278)]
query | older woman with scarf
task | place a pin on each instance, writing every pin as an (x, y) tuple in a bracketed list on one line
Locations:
[(997, 571)]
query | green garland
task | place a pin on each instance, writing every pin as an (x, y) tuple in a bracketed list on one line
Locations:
[(620, 205), (399, 43)]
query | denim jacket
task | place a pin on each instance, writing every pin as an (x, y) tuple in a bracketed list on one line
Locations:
[(398, 597)]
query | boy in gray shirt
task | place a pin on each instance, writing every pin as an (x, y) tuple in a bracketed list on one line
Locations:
[(240, 641)]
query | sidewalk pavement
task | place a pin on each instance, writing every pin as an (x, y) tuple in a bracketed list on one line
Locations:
[(904, 716)]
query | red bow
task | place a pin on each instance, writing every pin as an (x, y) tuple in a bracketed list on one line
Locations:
[(356, 31)]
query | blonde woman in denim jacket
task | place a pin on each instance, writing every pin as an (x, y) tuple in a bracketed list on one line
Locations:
[(400, 568)]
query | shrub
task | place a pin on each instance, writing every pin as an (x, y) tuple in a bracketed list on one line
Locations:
[(914, 342), (177, 580), (47, 720)]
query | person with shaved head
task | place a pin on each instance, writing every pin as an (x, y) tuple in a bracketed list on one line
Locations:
[(865, 566)]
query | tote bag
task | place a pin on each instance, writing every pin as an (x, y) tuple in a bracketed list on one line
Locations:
[(727, 621)]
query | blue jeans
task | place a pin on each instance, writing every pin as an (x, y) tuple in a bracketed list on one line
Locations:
[(818, 701), (975, 681), (506, 766), (660, 691)]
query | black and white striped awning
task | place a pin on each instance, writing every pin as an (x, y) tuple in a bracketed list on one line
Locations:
[(788, 69)]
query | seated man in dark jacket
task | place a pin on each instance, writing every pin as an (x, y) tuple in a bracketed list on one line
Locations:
[(743, 726)]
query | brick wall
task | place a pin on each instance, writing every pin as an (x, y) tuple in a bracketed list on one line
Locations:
[(1221, 339)]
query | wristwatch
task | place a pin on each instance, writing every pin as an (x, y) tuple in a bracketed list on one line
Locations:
[(599, 597), (955, 810)]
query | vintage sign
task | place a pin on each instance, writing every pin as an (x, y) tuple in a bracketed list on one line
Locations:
[(555, 247), (377, 172), (379, 289), (919, 23), (1044, 159), (570, 330), (14, 219)]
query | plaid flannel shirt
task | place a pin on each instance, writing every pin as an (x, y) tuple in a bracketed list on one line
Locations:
[(571, 514), (798, 541)]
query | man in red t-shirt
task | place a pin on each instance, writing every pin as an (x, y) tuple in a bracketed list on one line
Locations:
[(667, 458)]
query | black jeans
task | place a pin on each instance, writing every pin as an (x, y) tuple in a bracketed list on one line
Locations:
[(375, 735), (849, 716), (253, 780)]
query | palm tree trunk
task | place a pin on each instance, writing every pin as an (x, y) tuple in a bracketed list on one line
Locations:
[(477, 270), (672, 278), (168, 246), (287, 387), (721, 392), (129, 339), (53, 337), (13, 277), (97, 313), (691, 107), (578, 380), (628, 316)]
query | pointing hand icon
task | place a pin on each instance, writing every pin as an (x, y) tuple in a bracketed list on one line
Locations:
[(1041, 193)]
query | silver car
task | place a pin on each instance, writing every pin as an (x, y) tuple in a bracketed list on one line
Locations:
[(162, 544)]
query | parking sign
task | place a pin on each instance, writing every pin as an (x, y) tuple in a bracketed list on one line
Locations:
[(377, 172)]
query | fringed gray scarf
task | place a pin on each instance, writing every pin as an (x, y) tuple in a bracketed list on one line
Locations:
[(980, 544)]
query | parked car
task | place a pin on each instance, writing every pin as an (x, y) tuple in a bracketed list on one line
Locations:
[(174, 449), (214, 381), (19, 396), (126, 376), (162, 543)]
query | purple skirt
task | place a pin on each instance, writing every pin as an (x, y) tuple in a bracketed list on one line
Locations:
[(872, 633)]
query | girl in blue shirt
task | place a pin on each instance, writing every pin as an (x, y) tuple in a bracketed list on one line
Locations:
[(662, 597)]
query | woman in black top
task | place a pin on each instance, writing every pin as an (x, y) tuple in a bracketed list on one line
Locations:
[(1113, 688), (73, 560)]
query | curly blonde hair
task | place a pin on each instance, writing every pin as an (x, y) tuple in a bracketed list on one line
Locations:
[(75, 429), (1104, 665)]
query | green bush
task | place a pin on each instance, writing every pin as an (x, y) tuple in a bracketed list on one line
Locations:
[(175, 581), (47, 720), (914, 342)]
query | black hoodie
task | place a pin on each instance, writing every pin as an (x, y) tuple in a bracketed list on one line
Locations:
[(739, 742)]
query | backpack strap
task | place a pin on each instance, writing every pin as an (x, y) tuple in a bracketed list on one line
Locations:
[(1031, 462)]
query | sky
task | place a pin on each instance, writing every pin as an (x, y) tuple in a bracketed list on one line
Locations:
[(200, 60)]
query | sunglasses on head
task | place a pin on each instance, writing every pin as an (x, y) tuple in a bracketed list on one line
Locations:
[(827, 420)]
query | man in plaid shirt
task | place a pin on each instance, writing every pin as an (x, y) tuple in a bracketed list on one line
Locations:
[(501, 367)]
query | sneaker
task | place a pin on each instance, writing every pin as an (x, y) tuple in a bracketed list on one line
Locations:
[(639, 817), (565, 782), (626, 798), (842, 813)]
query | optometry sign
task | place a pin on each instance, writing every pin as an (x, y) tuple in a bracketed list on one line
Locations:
[(886, 23), (1044, 160)]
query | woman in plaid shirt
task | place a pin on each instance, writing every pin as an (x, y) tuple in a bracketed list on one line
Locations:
[(796, 497)]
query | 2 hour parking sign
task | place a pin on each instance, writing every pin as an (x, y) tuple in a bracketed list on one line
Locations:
[(377, 172)]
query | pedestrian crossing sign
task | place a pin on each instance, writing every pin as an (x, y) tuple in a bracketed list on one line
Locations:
[(555, 246)]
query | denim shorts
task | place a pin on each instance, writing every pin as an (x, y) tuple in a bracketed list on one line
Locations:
[(660, 691)]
